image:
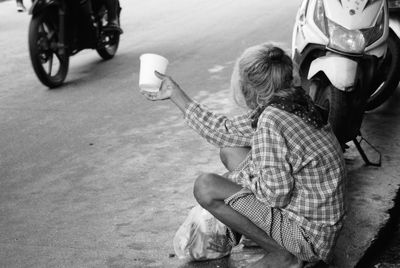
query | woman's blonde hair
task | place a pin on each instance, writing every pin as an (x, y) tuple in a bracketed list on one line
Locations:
[(261, 72)]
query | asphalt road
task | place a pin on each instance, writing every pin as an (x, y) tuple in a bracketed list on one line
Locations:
[(92, 174)]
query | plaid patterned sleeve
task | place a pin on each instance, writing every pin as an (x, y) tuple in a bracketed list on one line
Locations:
[(272, 182), (218, 129)]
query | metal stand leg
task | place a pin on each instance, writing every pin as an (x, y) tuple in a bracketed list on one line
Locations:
[(357, 143)]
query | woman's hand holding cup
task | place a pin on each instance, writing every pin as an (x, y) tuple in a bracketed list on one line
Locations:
[(167, 88), (155, 85)]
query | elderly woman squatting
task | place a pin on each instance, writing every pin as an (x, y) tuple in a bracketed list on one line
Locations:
[(285, 185)]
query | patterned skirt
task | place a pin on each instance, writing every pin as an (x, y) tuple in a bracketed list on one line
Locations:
[(275, 224)]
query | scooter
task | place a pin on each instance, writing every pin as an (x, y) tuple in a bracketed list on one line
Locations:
[(348, 59), (60, 29)]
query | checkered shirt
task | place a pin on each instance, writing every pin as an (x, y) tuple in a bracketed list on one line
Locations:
[(292, 166)]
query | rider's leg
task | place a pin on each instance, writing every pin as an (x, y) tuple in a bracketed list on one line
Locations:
[(113, 20), (20, 6), (112, 8)]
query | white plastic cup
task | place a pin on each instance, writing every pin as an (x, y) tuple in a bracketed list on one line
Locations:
[(149, 63)]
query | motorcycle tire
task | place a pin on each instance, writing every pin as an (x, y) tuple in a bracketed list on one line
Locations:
[(336, 103), (43, 50), (390, 77), (109, 41)]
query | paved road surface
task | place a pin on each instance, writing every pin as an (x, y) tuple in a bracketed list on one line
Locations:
[(94, 175)]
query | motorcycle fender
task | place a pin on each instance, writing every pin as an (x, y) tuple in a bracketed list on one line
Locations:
[(340, 71), (39, 5)]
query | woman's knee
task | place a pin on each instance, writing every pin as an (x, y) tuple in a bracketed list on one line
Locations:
[(203, 190)]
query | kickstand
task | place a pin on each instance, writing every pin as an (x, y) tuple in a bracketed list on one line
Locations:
[(357, 143)]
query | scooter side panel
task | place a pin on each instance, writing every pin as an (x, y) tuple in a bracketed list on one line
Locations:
[(306, 31), (394, 23), (341, 71)]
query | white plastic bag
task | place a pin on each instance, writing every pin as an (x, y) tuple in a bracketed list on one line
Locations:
[(201, 237)]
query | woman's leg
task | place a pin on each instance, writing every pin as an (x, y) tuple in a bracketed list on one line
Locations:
[(210, 190), (231, 157)]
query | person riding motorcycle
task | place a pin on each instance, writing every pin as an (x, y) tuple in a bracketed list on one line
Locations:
[(60, 29)]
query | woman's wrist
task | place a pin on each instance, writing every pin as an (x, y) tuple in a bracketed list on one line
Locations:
[(180, 99)]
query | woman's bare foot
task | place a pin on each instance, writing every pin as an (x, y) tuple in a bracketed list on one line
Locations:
[(278, 260)]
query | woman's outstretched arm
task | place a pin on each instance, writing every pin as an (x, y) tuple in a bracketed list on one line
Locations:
[(216, 129)]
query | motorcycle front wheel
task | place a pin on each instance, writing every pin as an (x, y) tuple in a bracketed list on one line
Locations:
[(50, 67), (109, 41), (388, 76), (335, 103), (109, 45)]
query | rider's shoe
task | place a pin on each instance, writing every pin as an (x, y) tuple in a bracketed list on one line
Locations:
[(113, 26), (20, 7)]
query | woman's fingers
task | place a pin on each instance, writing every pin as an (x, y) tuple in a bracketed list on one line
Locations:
[(166, 87), (160, 75), (150, 95)]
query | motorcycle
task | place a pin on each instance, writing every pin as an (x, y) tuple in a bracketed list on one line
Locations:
[(348, 58), (60, 29)]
